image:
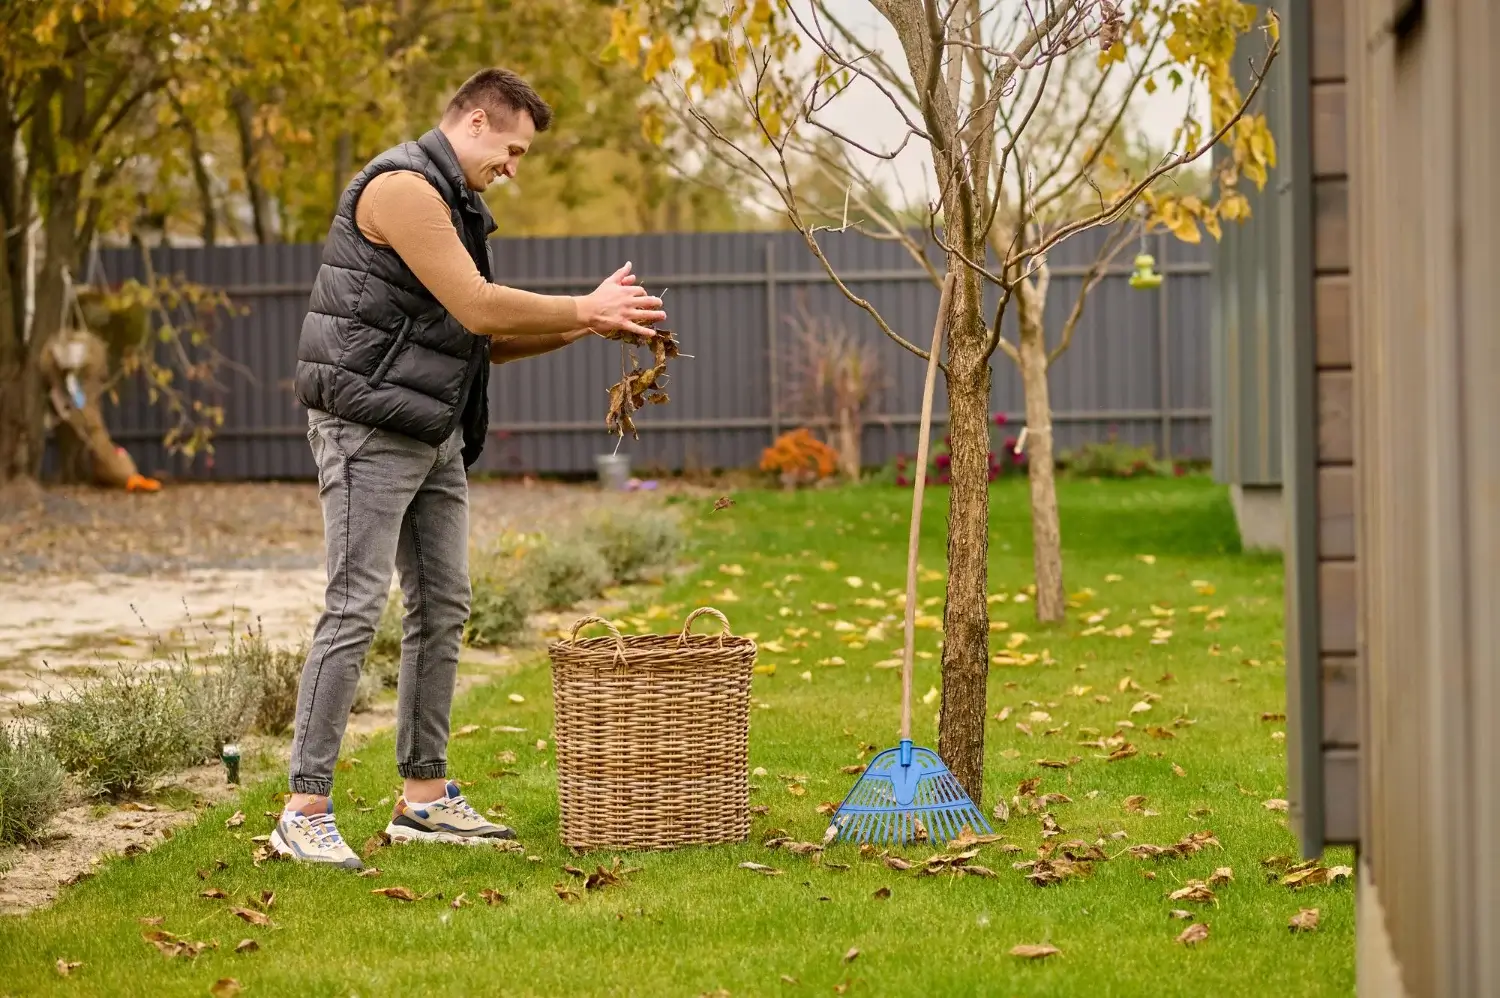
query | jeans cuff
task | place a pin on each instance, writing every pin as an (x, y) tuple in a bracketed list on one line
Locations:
[(422, 770), (311, 785)]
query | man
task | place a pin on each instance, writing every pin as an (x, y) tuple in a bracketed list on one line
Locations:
[(393, 366)]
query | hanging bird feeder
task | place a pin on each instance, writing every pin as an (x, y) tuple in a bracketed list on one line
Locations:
[(1145, 276)]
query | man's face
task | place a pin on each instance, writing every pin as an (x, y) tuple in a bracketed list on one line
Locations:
[(489, 149)]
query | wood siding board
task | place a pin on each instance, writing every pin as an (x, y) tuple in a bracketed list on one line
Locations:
[(1336, 605), (1340, 796), (1331, 310), (1336, 538), (1340, 701), (1329, 138), (1336, 417), (1331, 225)]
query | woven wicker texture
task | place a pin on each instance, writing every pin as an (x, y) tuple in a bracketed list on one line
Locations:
[(653, 737)]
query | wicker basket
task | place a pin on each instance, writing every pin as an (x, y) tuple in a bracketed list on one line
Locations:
[(653, 737)]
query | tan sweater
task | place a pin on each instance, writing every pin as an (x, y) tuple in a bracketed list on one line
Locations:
[(402, 210)]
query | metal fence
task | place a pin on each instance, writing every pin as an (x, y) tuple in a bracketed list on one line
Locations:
[(1139, 364)]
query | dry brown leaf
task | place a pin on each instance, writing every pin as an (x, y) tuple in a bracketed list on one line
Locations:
[(396, 893), (1305, 920), (920, 830), (882, 894), (1221, 876), (492, 896), (246, 946), (565, 893), (1178, 770), (152, 920), (251, 915), (369, 871), (460, 901), (1034, 951), (1312, 876), (1193, 934), (1123, 752), (1275, 804), (1051, 763), (1135, 803), (1185, 916), (897, 863), (235, 820), (1196, 890), (224, 987), (66, 967), (213, 892), (975, 870), (723, 502), (853, 953), (761, 868)]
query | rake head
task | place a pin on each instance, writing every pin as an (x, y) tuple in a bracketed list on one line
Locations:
[(900, 787)]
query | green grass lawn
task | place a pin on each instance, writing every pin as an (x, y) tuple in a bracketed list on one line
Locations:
[(692, 922)]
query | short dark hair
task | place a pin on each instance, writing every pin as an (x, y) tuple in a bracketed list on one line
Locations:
[(500, 92)]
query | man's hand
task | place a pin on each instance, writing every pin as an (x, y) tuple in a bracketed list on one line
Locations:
[(620, 304)]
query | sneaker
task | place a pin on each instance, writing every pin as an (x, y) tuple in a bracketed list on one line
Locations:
[(312, 838), (449, 819)]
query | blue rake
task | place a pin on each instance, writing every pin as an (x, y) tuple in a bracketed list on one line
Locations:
[(900, 787), (906, 785)]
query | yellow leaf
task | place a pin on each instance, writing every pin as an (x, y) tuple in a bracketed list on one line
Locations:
[(930, 696), (732, 570), (1273, 25), (1149, 86), (659, 58), (829, 566), (764, 670)]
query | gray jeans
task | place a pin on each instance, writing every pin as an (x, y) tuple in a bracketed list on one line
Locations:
[(389, 501)]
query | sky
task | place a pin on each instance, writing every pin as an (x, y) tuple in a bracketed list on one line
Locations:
[(864, 113)]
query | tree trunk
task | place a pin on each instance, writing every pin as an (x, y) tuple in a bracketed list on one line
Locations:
[(966, 627), (260, 202), (1046, 532), (22, 432), (849, 442)]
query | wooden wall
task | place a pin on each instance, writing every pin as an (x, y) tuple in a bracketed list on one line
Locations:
[(1420, 372), (1336, 466)]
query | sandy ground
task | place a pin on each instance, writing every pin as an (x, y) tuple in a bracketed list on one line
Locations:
[(89, 579)]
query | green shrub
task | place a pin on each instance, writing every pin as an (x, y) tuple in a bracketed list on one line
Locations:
[(565, 572), (497, 613), (118, 733), (275, 671), (1111, 459), (636, 544), (31, 785), (220, 700), (383, 660)]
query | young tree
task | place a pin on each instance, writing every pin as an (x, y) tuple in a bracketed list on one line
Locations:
[(1020, 109)]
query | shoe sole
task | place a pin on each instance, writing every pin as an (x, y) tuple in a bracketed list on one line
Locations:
[(400, 834)]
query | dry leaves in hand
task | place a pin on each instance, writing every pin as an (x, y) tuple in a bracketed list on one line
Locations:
[(1034, 951), (251, 915), (1195, 933), (1305, 920), (638, 386), (396, 893), (224, 987), (66, 967)]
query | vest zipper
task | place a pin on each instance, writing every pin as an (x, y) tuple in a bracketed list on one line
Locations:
[(390, 355)]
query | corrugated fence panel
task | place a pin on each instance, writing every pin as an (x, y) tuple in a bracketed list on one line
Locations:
[(1138, 367)]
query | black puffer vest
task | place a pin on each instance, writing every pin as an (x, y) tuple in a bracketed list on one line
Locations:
[(376, 346)]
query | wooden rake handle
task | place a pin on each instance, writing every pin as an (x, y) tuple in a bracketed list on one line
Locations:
[(915, 540)]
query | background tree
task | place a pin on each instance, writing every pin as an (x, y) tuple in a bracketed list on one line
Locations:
[(1019, 108)]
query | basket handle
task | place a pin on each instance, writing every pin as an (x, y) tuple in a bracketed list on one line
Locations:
[(687, 625), (613, 630)]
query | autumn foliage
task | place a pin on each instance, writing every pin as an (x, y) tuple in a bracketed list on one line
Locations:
[(799, 458)]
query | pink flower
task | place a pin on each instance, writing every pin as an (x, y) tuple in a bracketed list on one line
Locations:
[(1178, 470), (902, 481), (1000, 419), (942, 460), (944, 478)]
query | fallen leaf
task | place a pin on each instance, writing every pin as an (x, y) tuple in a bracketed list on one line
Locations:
[(1221, 876), (492, 896), (1051, 764), (152, 920), (769, 871), (1272, 717), (1309, 877), (830, 834), (1340, 873), (1140, 707), (1135, 803), (853, 954), (246, 946), (1305, 920), (251, 915), (1178, 913), (1178, 770), (1001, 812), (213, 892), (369, 871), (1034, 951), (723, 502), (565, 893), (224, 987), (1275, 804), (930, 696), (788, 979), (396, 893), (919, 833), (1148, 559), (1196, 890), (459, 902), (897, 863), (516, 698), (1123, 752), (882, 894), (1193, 934), (66, 967)]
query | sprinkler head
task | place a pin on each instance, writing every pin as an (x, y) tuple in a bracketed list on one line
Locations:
[(1145, 276), (230, 756)]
